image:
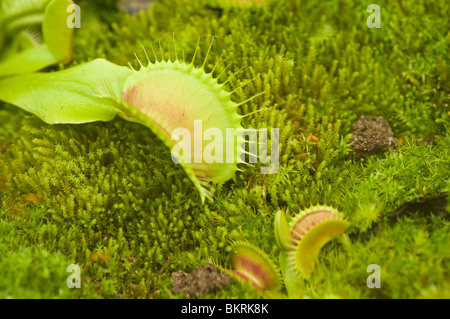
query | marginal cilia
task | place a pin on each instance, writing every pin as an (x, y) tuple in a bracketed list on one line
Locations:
[(165, 96)]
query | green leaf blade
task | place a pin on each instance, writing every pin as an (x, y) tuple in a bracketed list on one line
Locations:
[(57, 35), (28, 61), (68, 96)]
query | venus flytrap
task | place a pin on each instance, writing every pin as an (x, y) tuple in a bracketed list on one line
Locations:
[(163, 96), (44, 24), (310, 230), (141, 203), (300, 243), (251, 264)]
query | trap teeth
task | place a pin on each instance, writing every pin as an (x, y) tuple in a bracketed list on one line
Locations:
[(251, 263), (310, 218), (181, 104), (311, 229)]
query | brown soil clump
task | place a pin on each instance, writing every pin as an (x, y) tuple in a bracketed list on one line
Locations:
[(372, 135), (200, 282)]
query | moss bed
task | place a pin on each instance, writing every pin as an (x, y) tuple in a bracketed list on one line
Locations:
[(108, 197)]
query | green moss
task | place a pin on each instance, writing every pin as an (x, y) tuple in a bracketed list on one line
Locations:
[(108, 197), (29, 271)]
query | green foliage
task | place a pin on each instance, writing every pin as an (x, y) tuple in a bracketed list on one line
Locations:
[(52, 96), (33, 35), (29, 271), (110, 199)]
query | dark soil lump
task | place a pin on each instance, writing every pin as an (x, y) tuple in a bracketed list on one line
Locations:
[(372, 135), (200, 282)]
